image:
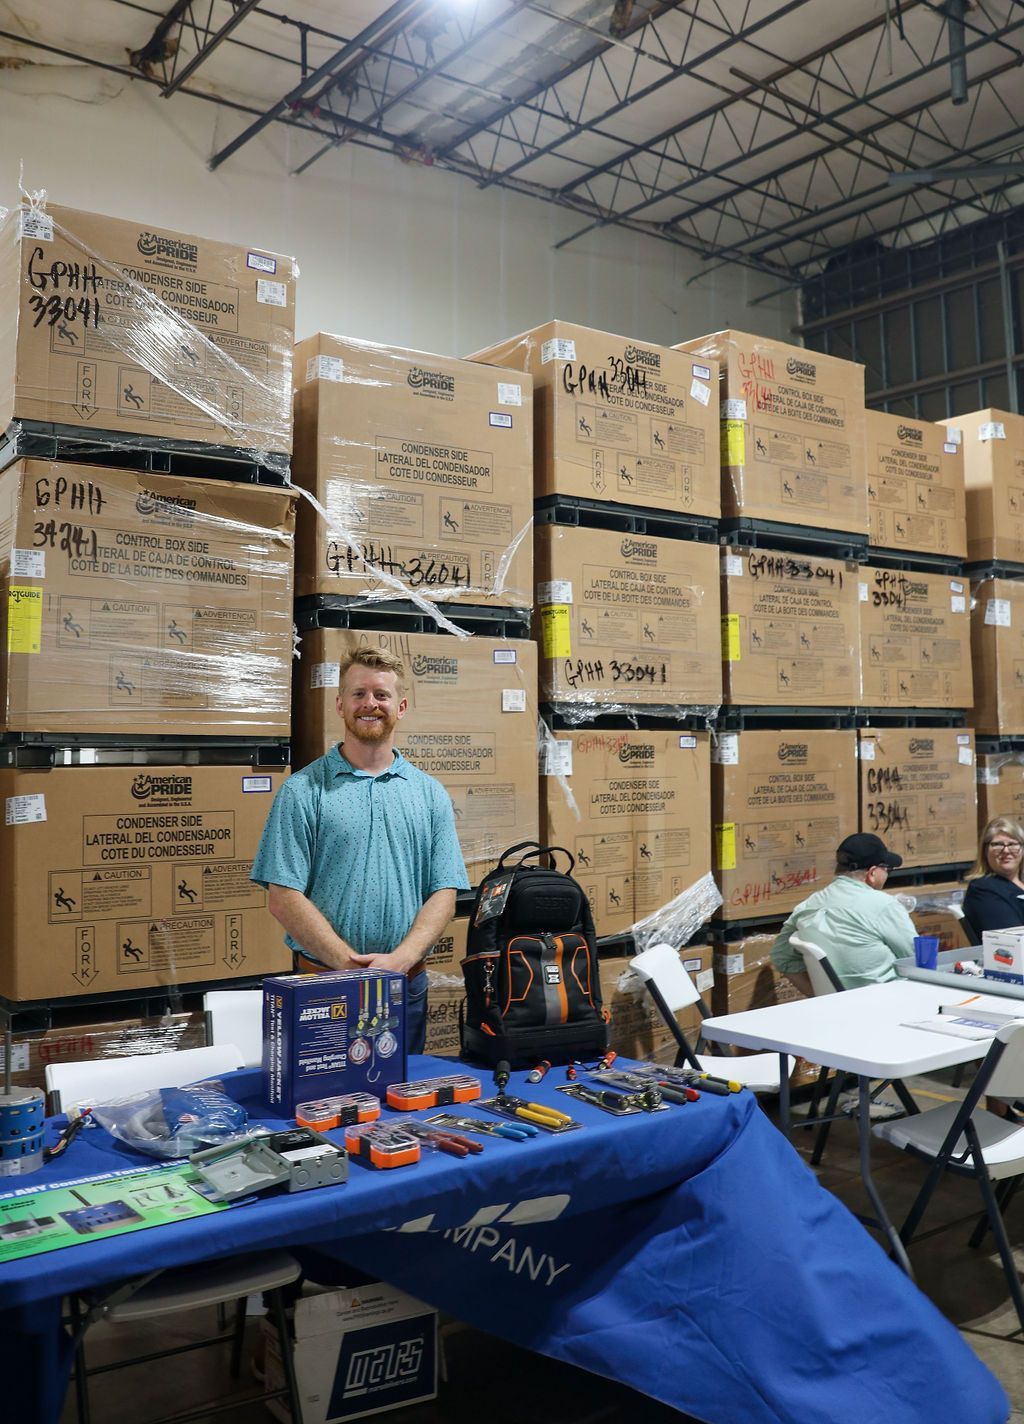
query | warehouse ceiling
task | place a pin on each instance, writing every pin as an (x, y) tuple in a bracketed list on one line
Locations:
[(764, 132)]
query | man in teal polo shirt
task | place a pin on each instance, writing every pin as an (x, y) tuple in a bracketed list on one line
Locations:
[(359, 854)]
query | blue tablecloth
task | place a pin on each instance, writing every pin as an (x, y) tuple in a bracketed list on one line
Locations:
[(690, 1254)]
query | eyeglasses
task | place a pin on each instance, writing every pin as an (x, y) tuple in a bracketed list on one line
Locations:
[(1000, 846)]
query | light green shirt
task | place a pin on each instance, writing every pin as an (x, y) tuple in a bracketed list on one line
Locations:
[(863, 932)]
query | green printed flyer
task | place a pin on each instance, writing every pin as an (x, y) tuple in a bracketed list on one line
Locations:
[(33, 1221)]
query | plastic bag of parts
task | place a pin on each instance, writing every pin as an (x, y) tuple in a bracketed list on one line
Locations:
[(172, 1122)]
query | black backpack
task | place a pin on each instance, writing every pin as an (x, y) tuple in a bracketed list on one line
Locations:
[(532, 984)]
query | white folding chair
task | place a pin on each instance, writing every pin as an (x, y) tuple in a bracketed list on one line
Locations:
[(967, 1140), (824, 979), (236, 1016), (670, 986), (157, 1293)]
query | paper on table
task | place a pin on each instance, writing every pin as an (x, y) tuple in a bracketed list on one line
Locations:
[(977, 1026)]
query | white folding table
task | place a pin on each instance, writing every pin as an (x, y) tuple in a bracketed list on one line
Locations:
[(864, 1032)]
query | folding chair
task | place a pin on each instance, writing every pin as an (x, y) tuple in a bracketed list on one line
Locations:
[(236, 1016), (671, 988), (967, 1140), (157, 1293)]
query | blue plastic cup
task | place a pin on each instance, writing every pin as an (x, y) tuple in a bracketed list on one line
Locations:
[(926, 951)]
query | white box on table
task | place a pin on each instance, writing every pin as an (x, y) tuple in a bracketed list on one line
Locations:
[(1003, 952)]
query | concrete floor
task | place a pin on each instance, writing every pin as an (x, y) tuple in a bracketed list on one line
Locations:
[(490, 1380)]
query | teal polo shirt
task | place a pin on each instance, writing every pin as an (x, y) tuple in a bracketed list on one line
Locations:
[(367, 850)]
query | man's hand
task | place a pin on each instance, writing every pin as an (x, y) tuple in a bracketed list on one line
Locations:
[(309, 928)]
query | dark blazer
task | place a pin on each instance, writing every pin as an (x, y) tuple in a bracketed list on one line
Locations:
[(993, 903)]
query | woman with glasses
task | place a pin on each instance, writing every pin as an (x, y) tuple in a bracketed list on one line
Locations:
[(995, 891)]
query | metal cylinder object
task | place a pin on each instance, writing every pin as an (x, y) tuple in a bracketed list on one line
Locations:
[(22, 1113)]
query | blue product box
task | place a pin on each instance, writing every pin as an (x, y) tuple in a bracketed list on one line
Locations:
[(323, 1034)]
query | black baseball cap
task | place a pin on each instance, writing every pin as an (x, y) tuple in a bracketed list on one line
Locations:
[(862, 851)]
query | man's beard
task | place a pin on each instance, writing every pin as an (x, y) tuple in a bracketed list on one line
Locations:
[(370, 732)]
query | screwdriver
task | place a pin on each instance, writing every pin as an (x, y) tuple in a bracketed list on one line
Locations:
[(536, 1074)]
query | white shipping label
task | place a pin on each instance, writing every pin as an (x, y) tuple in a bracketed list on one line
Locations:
[(19, 1057), (963, 739), (997, 612), (862, 590), (557, 349), (866, 751), (35, 225), (734, 410), (704, 372), (955, 587), (732, 565), (954, 435), (513, 699), (499, 419), (21, 810), (992, 430), (271, 294), (700, 392), (988, 776), (509, 394), (965, 756), (556, 759), (730, 963), (505, 655), (687, 744), (957, 603), (259, 263), (324, 675), (256, 783), (705, 980), (726, 752), (557, 591), (28, 563), (948, 448), (325, 368)]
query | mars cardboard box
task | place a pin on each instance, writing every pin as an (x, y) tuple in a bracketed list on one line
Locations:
[(424, 466), (993, 450), (338, 1032), (1003, 955), (997, 647), (915, 631), (918, 792), (792, 432), (119, 326), (618, 419), (358, 1352), (134, 603), (790, 629), (915, 486), (1000, 787), (623, 618), (471, 723), (118, 879)]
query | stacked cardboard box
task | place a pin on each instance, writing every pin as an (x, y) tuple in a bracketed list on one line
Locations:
[(993, 451), (790, 629), (618, 419), (471, 723), (915, 639), (915, 475), (997, 645), (1000, 787), (624, 618), (933, 908), (634, 809), (792, 432), (781, 803), (745, 978), (422, 466), (918, 792), (33, 1052)]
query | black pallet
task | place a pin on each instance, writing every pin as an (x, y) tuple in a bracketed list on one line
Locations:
[(650, 717), (623, 945), (47, 749), (76, 444), (39, 1015), (625, 518), (400, 615), (770, 535), (723, 932), (928, 874), (914, 562), (911, 716), (994, 746), (978, 570), (784, 719)]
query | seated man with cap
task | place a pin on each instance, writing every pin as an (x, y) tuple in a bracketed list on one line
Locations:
[(863, 931)]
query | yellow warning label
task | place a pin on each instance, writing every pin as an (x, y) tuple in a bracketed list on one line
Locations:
[(733, 442), (730, 637), (24, 618), (725, 846), (556, 640)]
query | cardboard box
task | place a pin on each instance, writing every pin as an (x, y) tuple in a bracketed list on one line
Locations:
[(915, 632), (619, 420), (790, 629), (134, 603), (745, 978), (917, 791), (115, 326), (1000, 787), (997, 648), (915, 486), (993, 451), (792, 432), (781, 803), (1003, 955), (446, 990), (33, 1052), (424, 467), (471, 723), (119, 879), (933, 910), (328, 1033), (358, 1352), (634, 809), (624, 618), (636, 1028)]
